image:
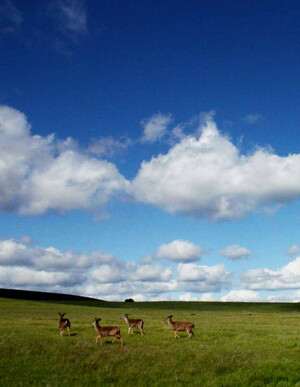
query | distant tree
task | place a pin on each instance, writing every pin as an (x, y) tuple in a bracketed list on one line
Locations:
[(129, 300)]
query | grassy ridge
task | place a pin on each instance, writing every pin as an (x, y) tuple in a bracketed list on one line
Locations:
[(235, 344)]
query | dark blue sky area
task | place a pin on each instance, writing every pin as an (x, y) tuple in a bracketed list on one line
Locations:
[(140, 57)]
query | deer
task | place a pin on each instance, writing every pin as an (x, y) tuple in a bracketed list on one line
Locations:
[(106, 331), (180, 326), (63, 323), (134, 322)]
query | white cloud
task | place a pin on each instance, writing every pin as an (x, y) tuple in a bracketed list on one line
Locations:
[(179, 251), (99, 274), (194, 272), (208, 177), (107, 274), (24, 277), (150, 273), (234, 252), (13, 252), (241, 296), (203, 279), (71, 16), (191, 297), (253, 118), (38, 174), (187, 297), (293, 250), (287, 277), (126, 289), (16, 252), (284, 297), (155, 127), (108, 146), (207, 297)]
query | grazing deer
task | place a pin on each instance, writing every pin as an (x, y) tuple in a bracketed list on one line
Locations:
[(63, 323), (134, 322), (106, 331), (180, 326)]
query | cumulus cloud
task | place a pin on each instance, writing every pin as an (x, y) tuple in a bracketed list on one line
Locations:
[(99, 274), (191, 297), (24, 277), (107, 274), (38, 173), (241, 296), (284, 297), (287, 277), (16, 252), (125, 289), (234, 252), (150, 273), (155, 127), (207, 297), (178, 251), (208, 177), (293, 250), (187, 297), (203, 279)]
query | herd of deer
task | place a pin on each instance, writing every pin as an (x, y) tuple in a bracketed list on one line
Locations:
[(64, 323)]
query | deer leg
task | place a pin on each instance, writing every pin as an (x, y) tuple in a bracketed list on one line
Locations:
[(97, 339), (62, 332), (141, 329), (176, 334), (101, 340), (114, 339), (121, 340), (129, 329), (69, 331)]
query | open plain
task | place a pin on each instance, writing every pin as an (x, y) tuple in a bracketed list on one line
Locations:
[(235, 344)]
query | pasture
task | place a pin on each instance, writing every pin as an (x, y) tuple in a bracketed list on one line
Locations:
[(235, 344)]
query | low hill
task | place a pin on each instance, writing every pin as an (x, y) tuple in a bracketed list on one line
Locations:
[(42, 296)]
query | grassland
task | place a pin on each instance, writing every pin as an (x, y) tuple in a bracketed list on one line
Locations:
[(235, 344)]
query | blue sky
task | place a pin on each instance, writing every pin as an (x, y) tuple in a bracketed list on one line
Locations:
[(150, 149)]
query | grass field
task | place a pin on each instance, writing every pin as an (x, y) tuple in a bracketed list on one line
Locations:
[(235, 344)]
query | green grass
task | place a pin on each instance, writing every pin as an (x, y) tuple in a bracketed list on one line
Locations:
[(235, 344)]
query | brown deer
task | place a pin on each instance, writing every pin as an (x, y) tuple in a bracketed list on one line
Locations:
[(180, 326), (63, 323), (134, 322), (106, 331)]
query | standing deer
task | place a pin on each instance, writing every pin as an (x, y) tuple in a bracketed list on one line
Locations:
[(106, 331), (180, 326), (63, 323), (134, 322)]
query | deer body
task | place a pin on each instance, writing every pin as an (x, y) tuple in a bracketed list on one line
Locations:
[(106, 331), (134, 322), (180, 326), (63, 323)]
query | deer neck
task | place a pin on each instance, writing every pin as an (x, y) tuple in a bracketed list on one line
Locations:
[(127, 320), (97, 327)]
